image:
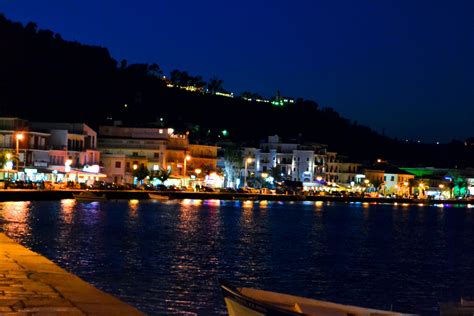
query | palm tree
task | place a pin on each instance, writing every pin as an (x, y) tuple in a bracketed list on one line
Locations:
[(460, 187), (232, 163), (141, 172), (277, 174), (161, 174)]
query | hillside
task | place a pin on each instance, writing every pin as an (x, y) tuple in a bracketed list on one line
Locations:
[(44, 77)]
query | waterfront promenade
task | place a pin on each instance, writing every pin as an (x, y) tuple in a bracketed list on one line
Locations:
[(30, 284), (51, 195)]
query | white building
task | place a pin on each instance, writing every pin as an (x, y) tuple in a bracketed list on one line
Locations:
[(72, 151), (306, 163)]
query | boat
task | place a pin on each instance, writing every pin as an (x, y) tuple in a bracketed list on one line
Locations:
[(158, 197), (88, 196), (464, 307), (244, 198), (252, 302)]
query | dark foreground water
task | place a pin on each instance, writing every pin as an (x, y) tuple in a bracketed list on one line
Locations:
[(165, 258)]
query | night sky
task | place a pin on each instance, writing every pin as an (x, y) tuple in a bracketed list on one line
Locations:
[(406, 66)]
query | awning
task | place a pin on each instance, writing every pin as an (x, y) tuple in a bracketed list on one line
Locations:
[(82, 173)]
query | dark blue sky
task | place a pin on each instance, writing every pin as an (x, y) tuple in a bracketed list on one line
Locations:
[(403, 65)]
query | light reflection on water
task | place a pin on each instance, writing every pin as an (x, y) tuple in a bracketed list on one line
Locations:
[(15, 217), (165, 257)]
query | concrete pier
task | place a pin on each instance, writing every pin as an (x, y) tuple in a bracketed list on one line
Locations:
[(30, 284)]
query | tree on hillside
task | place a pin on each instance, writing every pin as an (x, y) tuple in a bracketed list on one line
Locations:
[(183, 79), (307, 104), (123, 64), (155, 70), (250, 95), (197, 82), (31, 27), (178, 77), (215, 85)]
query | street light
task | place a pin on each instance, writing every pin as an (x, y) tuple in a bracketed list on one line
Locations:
[(135, 166), (186, 159), (247, 161), (19, 136), (197, 171)]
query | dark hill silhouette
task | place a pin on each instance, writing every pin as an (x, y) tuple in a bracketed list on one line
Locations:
[(44, 77)]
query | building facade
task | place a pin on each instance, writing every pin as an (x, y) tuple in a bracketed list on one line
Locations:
[(306, 163), (124, 149), (50, 151)]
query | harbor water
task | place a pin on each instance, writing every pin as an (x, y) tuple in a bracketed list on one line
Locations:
[(167, 257)]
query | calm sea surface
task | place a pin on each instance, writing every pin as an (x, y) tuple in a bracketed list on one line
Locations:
[(165, 258)]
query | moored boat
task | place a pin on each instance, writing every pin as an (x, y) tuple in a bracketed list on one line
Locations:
[(244, 198), (158, 197), (251, 302), (88, 196)]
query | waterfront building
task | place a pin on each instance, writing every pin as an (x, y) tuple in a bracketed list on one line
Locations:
[(340, 171), (390, 180), (124, 149), (50, 151), (444, 182), (309, 163), (72, 151), (27, 149)]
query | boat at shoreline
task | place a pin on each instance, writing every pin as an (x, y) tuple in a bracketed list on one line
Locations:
[(88, 196), (244, 198), (158, 197), (252, 302)]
